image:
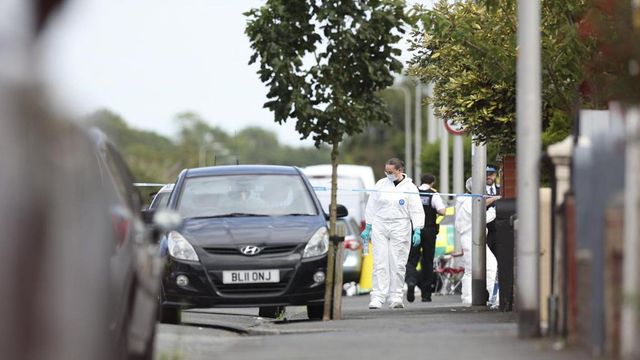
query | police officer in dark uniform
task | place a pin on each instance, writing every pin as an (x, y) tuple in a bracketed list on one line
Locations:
[(492, 189), (433, 205)]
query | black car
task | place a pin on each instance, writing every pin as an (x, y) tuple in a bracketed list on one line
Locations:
[(253, 235)]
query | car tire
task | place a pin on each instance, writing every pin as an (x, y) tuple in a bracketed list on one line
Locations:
[(271, 312), (170, 315), (315, 311)]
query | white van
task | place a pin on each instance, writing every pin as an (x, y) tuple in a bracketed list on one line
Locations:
[(353, 180)]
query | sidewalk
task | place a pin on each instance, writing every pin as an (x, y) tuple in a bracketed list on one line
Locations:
[(442, 328)]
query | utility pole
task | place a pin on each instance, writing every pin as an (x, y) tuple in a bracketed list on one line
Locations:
[(629, 320), (444, 159), (458, 164), (432, 129), (407, 129), (479, 294), (528, 145), (418, 130)]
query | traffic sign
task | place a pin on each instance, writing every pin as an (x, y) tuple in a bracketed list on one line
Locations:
[(454, 128)]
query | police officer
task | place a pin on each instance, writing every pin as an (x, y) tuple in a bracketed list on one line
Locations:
[(433, 205), (492, 190)]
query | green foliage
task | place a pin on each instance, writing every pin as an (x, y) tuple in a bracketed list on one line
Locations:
[(430, 158), (379, 142), (151, 157), (613, 29), (155, 158), (468, 50), (324, 62)]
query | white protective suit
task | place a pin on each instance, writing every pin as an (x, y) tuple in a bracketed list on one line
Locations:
[(463, 227), (391, 210)]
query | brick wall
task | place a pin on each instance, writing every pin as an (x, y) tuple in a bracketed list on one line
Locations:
[(508, 178)]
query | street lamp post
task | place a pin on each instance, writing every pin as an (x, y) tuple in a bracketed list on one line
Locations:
[(528, 146), (418, 162), (478, 226), (407, 129)]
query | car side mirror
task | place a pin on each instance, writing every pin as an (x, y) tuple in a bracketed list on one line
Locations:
[(147, 216), (161, 221), (341, 211)]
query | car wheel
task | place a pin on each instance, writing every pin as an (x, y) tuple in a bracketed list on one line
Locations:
[(272, 312), (315, 311), (170, 315)]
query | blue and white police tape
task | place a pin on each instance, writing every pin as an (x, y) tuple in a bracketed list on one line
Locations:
[(324, 188)]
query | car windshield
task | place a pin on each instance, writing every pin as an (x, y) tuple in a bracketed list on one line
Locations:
[(238, 195)]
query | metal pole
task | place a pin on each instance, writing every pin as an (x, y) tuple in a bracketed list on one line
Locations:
[(444, 160), (479, 295), (418, 134), (407, 130), (458, 164), (528, 109), (432, 128), (629, 320)]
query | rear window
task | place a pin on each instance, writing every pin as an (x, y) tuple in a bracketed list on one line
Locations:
[(268, 195)]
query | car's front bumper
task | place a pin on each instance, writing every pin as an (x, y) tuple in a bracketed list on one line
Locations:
[(205, 288)]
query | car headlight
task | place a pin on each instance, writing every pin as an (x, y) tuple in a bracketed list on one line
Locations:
[(318, 244), (180, 248)]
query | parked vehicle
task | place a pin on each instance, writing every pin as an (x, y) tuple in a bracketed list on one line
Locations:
[(161, 198), (352, 262), (350, 178), (253, 236), (445, 240), (135, 265)]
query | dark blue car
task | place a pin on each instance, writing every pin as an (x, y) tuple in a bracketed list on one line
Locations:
[(253, 236)]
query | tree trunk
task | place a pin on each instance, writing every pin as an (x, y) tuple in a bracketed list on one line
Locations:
[(331, 254)]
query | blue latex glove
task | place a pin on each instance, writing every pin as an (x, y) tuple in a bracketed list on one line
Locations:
[(366, 236), (415, 240)]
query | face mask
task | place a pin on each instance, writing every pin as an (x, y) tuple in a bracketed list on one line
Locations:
[(391, 177)]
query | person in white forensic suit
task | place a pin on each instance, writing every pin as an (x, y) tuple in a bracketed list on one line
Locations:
[(463, 227), (393, 208)]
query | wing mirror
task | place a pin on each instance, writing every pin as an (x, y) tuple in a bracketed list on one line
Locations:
[(341, 211), (161, 221)]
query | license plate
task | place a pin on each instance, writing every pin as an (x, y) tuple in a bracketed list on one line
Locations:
[(250, 276)]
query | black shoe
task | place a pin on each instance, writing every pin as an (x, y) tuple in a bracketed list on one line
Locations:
[(426, 299), (411, 295)]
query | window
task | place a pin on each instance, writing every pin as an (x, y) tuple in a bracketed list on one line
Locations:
[(267, 195)]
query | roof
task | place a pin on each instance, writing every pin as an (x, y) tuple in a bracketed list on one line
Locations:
[(344, 170), (242, 169), (166, 188)]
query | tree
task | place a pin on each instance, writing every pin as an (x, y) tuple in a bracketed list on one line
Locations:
[(379, 142), (468, 50), (151, 157), (324, 63), (612, 28), (430, 158)]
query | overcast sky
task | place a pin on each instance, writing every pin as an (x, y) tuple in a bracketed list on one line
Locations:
[(148, 60)]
